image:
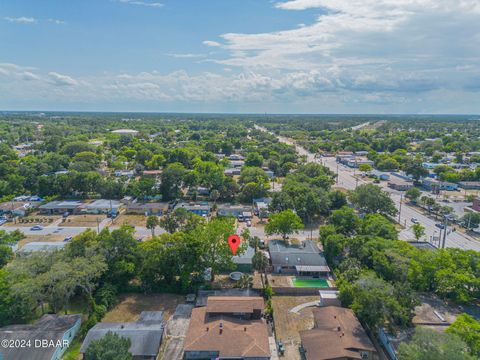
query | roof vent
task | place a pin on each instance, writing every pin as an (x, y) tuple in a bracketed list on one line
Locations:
[(339, 328), (208, 328), (245, 328)]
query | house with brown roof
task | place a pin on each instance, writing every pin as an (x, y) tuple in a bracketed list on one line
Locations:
[(336, 335), (228, 327)]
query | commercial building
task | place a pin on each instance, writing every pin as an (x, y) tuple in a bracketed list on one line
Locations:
[(336, 335), (436, 185), (400, 185), (469, 185)]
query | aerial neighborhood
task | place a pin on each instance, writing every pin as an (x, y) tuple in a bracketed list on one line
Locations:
[(359, 237)]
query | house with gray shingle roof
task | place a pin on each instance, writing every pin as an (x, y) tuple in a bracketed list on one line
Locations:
[(145, 334), (57, 330), (303, 259)]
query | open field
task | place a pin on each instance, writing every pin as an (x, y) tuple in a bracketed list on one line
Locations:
[(130, 306), (134, 220), (83, 220)]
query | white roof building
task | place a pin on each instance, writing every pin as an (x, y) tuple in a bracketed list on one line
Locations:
[(125, 132)]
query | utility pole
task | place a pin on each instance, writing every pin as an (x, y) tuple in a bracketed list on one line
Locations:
[(400, 209), (445, 232)]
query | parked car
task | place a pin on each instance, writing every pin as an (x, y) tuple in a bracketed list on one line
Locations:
[(36, 228), (440, 225), (414, 220), (66, 214), (249, 223), (2, 221), (68, 238), (281, 348), (240, 218)]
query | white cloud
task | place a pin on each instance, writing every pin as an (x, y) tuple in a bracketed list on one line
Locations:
[(61, 80), (211, 43), (20, 20), (142, 3), (357, 55), (187, 56), (56, 21)]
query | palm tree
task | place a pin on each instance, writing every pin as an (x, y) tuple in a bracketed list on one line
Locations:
[(245, 282), (260, 264)]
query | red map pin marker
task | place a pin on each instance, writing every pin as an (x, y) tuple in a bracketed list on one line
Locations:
[(234, 242)]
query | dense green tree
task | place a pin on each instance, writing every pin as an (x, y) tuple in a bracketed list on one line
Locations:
[(109, 347), (152, 223), (212, 237), (467, 328), (254, 159), (283, 223), (418, 231), (413, 194), (416, 169), (372, 199), (376, 302), (471, 220), (428, 344), (378, 225), (172, 179), (345, 220), (337, 199), (121, 253)]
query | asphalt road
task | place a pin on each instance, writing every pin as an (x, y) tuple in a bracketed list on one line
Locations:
[(347, 180)]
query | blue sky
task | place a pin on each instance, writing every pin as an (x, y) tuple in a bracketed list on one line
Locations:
[(285, 56)]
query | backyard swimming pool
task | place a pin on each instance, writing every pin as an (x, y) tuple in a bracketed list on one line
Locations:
[(310, 283)]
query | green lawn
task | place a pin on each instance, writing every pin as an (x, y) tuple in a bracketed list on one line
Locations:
[(312, 283)]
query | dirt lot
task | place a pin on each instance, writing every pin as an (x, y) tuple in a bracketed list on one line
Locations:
[(280, 280), (134, 220), (288, 325), (83, 220), (131, 305)]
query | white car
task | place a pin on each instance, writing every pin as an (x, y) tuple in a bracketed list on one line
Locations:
[(36, 228)]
